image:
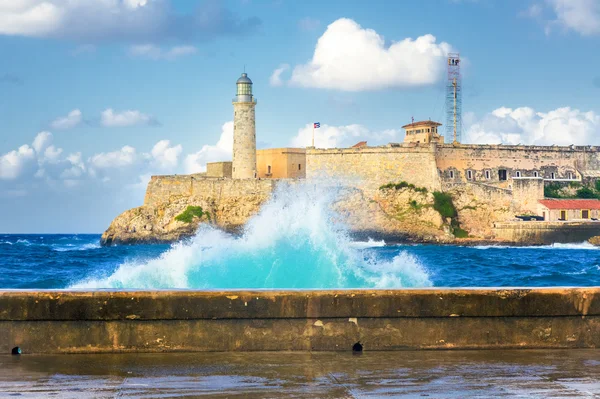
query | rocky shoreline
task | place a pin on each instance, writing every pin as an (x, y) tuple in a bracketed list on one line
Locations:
[(176, 206)]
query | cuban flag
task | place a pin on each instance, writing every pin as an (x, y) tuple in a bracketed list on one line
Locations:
[(316, 125)]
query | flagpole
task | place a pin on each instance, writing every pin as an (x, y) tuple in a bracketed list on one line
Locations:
[(313, 136)]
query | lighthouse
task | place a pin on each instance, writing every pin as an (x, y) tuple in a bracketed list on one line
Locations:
[(244, 131)]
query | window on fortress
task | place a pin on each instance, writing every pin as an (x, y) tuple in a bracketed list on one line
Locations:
[(518, 173), (535, 174), (570, 175), (269, 169), (502, 174), (299, 166), (469, 174), (452, 174), (487, 174), (552, 175)]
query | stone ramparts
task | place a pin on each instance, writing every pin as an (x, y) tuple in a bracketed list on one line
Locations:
[(159, 321)]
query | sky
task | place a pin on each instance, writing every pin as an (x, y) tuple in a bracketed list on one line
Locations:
[(96, 96)]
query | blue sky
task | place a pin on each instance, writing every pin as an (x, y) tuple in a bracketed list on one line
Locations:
[(97, 96)]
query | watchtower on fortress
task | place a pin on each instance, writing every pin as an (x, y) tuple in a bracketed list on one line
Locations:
[(244, 131), (423, 132)]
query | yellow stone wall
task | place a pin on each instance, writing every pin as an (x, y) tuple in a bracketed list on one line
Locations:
[(371, 167), (218, 169), (284, 163)]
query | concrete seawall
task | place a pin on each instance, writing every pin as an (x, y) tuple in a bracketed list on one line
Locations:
[(545, 233), (158, 321)]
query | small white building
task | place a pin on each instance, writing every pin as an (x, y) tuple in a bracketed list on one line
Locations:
[(569, 209)]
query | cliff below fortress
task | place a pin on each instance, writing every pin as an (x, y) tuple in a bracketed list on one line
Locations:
[(175, 206)]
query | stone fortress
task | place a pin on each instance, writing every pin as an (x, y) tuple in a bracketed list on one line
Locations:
[(391, 189)]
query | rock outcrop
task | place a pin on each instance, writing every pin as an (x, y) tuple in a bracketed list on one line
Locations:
[(395, 212), (225, 203)]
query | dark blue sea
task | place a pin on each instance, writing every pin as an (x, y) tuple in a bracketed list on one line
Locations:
[(214, 260)]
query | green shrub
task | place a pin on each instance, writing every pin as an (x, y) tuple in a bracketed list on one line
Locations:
[(459, 233), (403, 184), (442, 202), (552, 190), (585, 192), (574, 184), (597, 185), (190, 212)]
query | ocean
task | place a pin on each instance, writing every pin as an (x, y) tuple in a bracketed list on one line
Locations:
[(78, 261), (297, 241)]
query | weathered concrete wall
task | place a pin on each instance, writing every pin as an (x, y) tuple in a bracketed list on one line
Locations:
[(84, 322), (371, 167), (544, 233)]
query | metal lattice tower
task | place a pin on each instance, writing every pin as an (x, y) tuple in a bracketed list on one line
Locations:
[(453, 100)]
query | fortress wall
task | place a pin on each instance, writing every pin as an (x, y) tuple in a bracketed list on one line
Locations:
[(526, 159), (370, 167), (332, 320), (165, 189), (527, 192)]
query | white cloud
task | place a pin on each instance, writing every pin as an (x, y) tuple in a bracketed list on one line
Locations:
[(13, 163), (196, 163), (154, 52), (41, 141), (562, 126), (275, 79), (131, 20), (116, 159), (165, 155), (350, 58), (67, 122), (582, 16), (110, 118), (343, 136)]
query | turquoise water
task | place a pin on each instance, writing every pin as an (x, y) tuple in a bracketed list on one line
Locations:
[(297, 241)]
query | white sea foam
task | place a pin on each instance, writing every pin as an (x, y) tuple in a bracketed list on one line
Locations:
[(370, 243), (581, 245), (296, 241), (73, 247)]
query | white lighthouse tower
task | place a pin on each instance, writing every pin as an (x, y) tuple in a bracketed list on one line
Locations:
[(244, 131)]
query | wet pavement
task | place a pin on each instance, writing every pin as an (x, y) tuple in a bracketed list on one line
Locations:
[(410, 374)]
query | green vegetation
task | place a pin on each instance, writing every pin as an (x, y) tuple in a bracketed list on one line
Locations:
[(458, 232), (552, 190), (442, 202), (555, 190), (586, 192), (415, 205), (190, 213), (403, 184)]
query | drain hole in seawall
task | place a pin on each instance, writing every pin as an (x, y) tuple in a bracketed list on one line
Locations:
[(357, 347), (16, 350)]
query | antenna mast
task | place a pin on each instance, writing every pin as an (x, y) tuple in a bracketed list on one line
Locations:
[(453, 99)]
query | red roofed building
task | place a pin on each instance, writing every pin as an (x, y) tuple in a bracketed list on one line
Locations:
[(569, 209)]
